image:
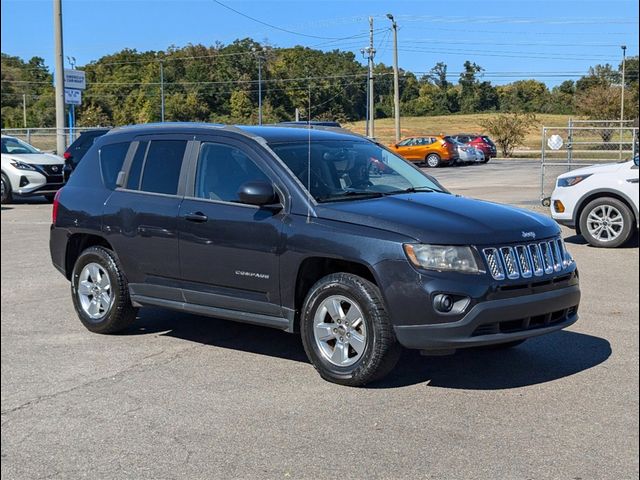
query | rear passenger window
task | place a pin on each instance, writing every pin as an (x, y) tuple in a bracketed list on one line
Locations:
[(111, 160), (162, 165)]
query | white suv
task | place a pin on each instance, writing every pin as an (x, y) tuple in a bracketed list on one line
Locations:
[(599, 202), (28, 171)]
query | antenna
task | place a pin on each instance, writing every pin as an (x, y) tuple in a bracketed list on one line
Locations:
[(309, 153)]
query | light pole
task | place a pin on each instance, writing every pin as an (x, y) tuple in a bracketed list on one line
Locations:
[(624, 59), (59, 76), (259, 53), (396, 74)]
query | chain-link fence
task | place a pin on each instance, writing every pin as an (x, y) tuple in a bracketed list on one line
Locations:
[(582, 143), (45, 138)]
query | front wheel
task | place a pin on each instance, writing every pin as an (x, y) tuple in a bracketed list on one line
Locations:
[(606, 222), (7, 197), (433, 160), (346, 331)]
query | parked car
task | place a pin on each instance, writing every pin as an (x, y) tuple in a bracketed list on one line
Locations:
[(481, 142), (469, 154), (599, 202), (79, 148), (285, 228), (26, 171), (434, 150)]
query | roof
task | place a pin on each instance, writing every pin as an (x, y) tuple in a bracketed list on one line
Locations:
[(272, 134)]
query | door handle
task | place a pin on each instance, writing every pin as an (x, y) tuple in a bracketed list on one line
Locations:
[(197, 217)]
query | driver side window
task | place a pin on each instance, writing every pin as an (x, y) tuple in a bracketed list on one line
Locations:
[(222, 169)]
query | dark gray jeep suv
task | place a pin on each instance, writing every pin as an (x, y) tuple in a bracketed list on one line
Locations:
[(294, 229)]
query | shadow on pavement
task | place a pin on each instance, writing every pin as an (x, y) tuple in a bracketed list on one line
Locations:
[(538, 360), (579, 240)]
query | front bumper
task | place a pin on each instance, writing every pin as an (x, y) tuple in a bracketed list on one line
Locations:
[(497, 321), (568, 199)]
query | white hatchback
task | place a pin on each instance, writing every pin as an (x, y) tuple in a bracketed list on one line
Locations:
[(599, 202), (28, 171)]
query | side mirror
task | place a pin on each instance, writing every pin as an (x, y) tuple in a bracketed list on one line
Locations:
[(258, 192), (636, 160)]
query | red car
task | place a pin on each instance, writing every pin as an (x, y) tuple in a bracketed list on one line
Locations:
[(481, 142)]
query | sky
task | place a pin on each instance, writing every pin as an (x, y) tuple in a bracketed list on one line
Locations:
[(549, 40)]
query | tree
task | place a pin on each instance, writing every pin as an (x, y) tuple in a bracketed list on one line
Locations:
[(524, 96), (509, 129), (476, 96)]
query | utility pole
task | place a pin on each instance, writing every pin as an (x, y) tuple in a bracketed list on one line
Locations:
[(161, 91), (258, 53), (624, 58), (59, 76), (369, 53), (24, 109), (372, 111), (396, 75)]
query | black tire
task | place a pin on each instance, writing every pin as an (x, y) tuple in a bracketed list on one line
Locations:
[(502, 346), (7, 196), (120, 314), (433, 160), (595, 207), (486, 159), (381, 351), (50, 197)]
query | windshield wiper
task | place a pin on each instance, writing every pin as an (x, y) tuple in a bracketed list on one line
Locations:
[(350, 195), (413, 190)]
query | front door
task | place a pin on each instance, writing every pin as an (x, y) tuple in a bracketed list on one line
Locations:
[(229, 251)]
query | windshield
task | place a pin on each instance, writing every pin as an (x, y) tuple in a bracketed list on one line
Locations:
[(15, 146), (349, 170)]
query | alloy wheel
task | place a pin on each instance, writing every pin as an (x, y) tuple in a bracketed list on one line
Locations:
[(94, 291), (339, 330)]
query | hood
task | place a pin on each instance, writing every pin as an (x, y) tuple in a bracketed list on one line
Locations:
[(605, 168), (35, 158), (439, 218)]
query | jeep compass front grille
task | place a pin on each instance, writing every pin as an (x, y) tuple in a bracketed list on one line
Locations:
[(526, 261)]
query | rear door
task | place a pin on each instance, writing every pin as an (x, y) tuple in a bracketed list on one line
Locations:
[(140, 217), (229, 251)]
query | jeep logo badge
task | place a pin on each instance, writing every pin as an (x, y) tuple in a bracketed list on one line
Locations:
[(54, 168), (531, 235)]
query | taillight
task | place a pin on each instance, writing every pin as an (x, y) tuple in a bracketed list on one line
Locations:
[(67, 156), (54, 209)]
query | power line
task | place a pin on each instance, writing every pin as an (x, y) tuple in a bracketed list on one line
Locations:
[(275, 27)]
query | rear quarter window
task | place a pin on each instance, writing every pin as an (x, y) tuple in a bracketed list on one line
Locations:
[(111, 159)]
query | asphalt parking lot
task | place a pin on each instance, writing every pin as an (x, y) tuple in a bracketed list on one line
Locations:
[(180, 396)]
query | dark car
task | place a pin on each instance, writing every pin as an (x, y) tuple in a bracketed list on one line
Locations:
[(74, 153), (286, 228), (481, 142)]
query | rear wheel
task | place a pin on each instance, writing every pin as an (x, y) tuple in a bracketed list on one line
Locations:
[(346, 331), (7, 196), (100, 292), (606, 222), (433, 160)]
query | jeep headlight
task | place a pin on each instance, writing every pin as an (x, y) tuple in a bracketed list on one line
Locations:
[(444, 258), (21, 165)]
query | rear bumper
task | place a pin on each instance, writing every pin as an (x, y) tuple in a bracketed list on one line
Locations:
[(497, 321)]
